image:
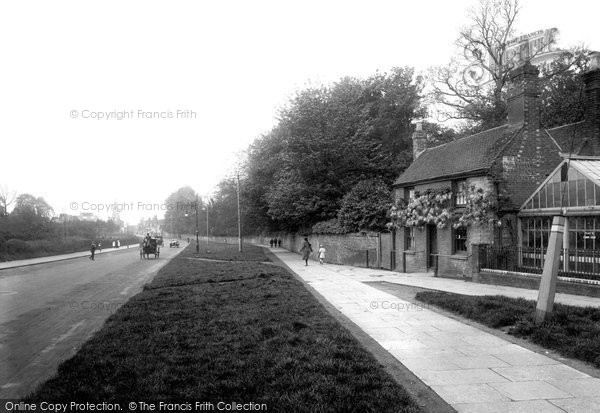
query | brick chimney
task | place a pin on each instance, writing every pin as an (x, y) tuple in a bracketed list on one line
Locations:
[(419, 140), (591, 80), (523, 97)]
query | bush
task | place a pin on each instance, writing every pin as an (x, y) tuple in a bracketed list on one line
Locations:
[(366, 206), (331, 226), (17, 246), (3, 251)]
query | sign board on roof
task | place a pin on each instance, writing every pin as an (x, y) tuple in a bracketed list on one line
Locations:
[(539, 46)]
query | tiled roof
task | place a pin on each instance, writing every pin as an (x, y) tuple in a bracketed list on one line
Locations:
[(473, 153), (568, 137)]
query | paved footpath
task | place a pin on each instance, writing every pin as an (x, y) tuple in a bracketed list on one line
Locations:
[(62, 257), (470, 369)]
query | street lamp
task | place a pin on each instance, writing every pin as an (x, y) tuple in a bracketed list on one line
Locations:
[(197, 231), (239, 212), (197, 242), (206, 207)]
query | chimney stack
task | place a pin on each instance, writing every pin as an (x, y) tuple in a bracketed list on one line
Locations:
[(591, 104), (419, 140), (523, 98)]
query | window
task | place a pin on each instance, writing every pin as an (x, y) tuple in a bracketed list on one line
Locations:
[(460, 193), (566, 188), (409, 194), (460, 240), (409, 240), (584, 233), (535, 232)]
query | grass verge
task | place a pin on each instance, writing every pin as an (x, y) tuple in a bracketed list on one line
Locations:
[(227, 331), (572, 331)]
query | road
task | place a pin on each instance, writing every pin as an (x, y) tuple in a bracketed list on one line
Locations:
[(48, 311)]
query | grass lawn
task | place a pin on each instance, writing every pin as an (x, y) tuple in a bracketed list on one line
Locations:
[(228, 252), (572, 331), (227, 331)]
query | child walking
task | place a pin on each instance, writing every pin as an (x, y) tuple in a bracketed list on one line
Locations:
[(322, 253)]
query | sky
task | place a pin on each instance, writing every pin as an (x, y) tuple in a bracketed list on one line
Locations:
[(117, 104)]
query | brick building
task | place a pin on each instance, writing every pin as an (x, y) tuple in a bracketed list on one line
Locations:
[(511, 162)]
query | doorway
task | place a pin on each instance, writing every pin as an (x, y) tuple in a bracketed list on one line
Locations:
[(432, 247)]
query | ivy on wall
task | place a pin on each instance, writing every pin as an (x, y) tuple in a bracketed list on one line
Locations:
[(434, 206)]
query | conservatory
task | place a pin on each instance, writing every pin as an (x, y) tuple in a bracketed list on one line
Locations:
[(572, 190)]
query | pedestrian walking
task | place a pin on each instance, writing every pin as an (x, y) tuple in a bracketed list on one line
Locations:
[(306, 250), (93, 251), (279, 242), (99, 247), (271, 242), (322, 252)]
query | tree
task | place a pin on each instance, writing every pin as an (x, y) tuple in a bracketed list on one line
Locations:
[(223, 209), (471, 86), (31, 217), (328, 138), (366, 206), (26, 204), (438, 134), (179, 204), (562, 88), (7, 197)]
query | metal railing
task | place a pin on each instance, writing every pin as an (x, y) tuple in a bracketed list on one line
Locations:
[(574, 263)]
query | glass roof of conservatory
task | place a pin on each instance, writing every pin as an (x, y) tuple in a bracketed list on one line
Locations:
[(574, 183)]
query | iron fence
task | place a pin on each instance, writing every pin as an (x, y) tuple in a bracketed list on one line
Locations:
[(574, 263)]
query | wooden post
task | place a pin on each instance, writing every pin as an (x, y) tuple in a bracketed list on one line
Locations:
[(545, 302)]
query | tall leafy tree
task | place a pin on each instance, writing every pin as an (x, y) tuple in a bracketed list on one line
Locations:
[(326, 141), (180, 216), (562, 88), (31, 217)]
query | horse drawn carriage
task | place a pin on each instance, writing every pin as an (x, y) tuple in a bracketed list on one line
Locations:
[(149, 246)]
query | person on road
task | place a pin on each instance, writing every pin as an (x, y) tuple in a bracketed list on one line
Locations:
[(279, 242), (322, 253), (271, 242), (99, 247), (93, 251), (306, 250)]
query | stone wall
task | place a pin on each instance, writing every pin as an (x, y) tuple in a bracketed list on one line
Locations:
[(349, 249)]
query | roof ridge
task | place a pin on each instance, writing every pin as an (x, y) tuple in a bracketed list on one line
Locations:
[(470, 136), (564, 126)]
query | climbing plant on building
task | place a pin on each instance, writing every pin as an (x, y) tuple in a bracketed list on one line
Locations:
[(434, 206), (480, 208)]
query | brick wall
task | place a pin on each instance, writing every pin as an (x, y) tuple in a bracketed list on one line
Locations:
[(592, 108), (349, 249), (525, 163)]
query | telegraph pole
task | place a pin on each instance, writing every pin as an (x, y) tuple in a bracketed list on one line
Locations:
[(239, 213), (207, 203), (197, 242)]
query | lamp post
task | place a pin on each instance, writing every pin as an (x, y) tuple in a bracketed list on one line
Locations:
[(239, 212), (197, 231), (207, 203), (197, 242)]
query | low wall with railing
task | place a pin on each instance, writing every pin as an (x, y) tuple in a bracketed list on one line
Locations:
[(579, 271), (582, 264)]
